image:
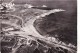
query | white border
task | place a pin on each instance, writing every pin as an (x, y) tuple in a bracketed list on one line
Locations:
[(78, 26)]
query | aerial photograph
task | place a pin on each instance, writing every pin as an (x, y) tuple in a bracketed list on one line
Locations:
[(38, 26)]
